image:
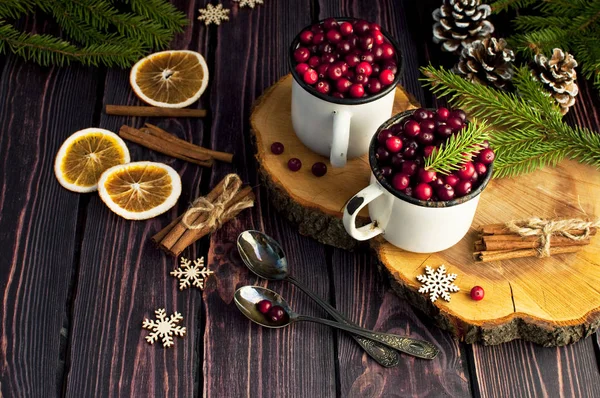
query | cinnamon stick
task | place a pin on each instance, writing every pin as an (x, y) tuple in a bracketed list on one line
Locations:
[(501, 229), (153, 111), (498, 255), (512, 242)]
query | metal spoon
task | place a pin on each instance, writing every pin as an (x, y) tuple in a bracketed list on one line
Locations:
[(265, 257), (247, 297)]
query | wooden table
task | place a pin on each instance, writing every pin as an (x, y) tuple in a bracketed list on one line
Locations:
[(76, 280)]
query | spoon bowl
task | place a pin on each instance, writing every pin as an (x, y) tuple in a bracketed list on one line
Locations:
[(247, 297), (262, 255)]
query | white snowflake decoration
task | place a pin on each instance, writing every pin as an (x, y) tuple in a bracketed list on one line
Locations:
[(164, 328), (212, 14), (191, 275), (437, 283), (248, 3)]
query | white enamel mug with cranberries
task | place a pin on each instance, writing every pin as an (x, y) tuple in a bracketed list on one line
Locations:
[(408, 223), (339, 128)]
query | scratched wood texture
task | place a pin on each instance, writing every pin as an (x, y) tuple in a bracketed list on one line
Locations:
[(76, 281)]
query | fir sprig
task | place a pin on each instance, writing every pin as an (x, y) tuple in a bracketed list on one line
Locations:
[(527, 131), (450, 156)]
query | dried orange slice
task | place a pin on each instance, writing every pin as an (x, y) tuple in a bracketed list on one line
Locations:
[(140, 190), (85, 155), (170, 79)]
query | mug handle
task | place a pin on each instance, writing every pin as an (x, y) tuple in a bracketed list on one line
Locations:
[(354, 206), (341, 138)]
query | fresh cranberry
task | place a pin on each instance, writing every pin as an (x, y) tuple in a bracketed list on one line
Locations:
[(426, 138), (378, 38), (343, 85), (409, 167), (367, 57), (466, 171), (342, 65), (400, 181), (330, 23), (276, 314), (366, 42), (412, 128), (310, 77), (486, 156), (427, 126), (357, 90), (474, 178), (423, 191), (480, 168), (277, 148), (463, 187), (319, 169), (361, 79), (361, 27), (442, 113), (318, 38), (377, 52), (445, 192), (346, 28), (477, 293), (264, 306), (459, 113), (294, 164), (314, 61), (352, 60), (373, 86), (391, 66), (301, 54), (316, 28), (382, 154), (428, 150), (393, 144), (386, 77), (443, 130), (383, 136), (364, 68), (455, 123), (325, 48), (388, 51), (334, 36), (302, 68), (344, 47), (334, 72), (429, 113), (337, 94), (322, 70), (426, 175), (397, 160), (306, 37), (409, 153), (376, 69), (327, 58), (323, 87), (452, 180)]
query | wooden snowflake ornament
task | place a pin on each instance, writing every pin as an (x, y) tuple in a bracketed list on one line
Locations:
[(212, 14), (437, 283), (164, 328), (189, 275), (248, 3)]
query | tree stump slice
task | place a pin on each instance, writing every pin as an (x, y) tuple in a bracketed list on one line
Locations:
[(313, 203), (552, 301)]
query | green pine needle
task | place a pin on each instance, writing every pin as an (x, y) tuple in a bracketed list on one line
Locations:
[(451, 154)]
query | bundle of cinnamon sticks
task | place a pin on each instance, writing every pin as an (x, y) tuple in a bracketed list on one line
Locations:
[(499, 242), (206, 214)]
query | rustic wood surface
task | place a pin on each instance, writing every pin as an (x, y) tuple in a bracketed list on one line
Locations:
[(77, 281)]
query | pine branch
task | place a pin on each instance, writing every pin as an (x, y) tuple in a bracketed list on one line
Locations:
[(161, 11), (533, 93), (451, 154), (505, 5), (15, 8), (528, 23), (541, 41), (516, 164), (47, 49)]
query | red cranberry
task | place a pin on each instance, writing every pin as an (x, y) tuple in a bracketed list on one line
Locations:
[(445, 192), (346, 28), (325, 48), (428, 150), (383, 136), (400, 181), (365, 42), (386, 171), (294, 164), (361, 27), (353, 39), (459, 113), (322, 70), (334, 72), (442, 113), (277, 148), (301, 54), (397, 128), (426, 175), (377, 52), (310, 77), (373, 86), (352, 60), (334, 36), (438, 182), (314, 61), (386, 77), (319, 169), (343, 85), (361, 79), (466, 171), (397, 160), (342, 65), (276, 314), (486, 156), (323, 87), (426, 138), (364, 68), (316, 28), (463, 187), (423, 191), (367, 57), (327, 58), (477, 293), (376, 69), (330, 23), (474, 178), (357, 90), (318, 38), (480, 168), (306, 37), (382, 154), (420, 115), (302, 68), (452, 180), (412, 128), (409, 167), (337, 94), (378, 38), (393, 67), (455, 123), (344, 47), (388, 51), (263, 306), (393, 144), (429, 113), (427, 126), (409, 153), (443, 131)]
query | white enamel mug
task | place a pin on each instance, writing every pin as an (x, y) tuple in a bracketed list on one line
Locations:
[(408, 223), (340, 128)]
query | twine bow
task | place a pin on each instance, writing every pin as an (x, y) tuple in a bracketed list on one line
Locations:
[(218, 210), (546, 228)]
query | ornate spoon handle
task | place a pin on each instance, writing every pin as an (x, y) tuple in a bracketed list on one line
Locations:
[(383, 355), (414, 347)]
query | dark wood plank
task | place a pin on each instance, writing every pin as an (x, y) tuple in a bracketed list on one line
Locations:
[(39, 108), (123, 278), (240, 358)]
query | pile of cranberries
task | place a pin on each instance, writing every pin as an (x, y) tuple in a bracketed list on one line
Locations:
[(402, 148), (345, 59), (273, 313)]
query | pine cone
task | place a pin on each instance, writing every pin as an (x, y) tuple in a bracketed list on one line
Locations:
[(486, 61), (461, 22), (558, 76)]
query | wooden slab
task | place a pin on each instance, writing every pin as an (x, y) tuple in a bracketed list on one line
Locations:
[(315, 204), (553, 301)]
